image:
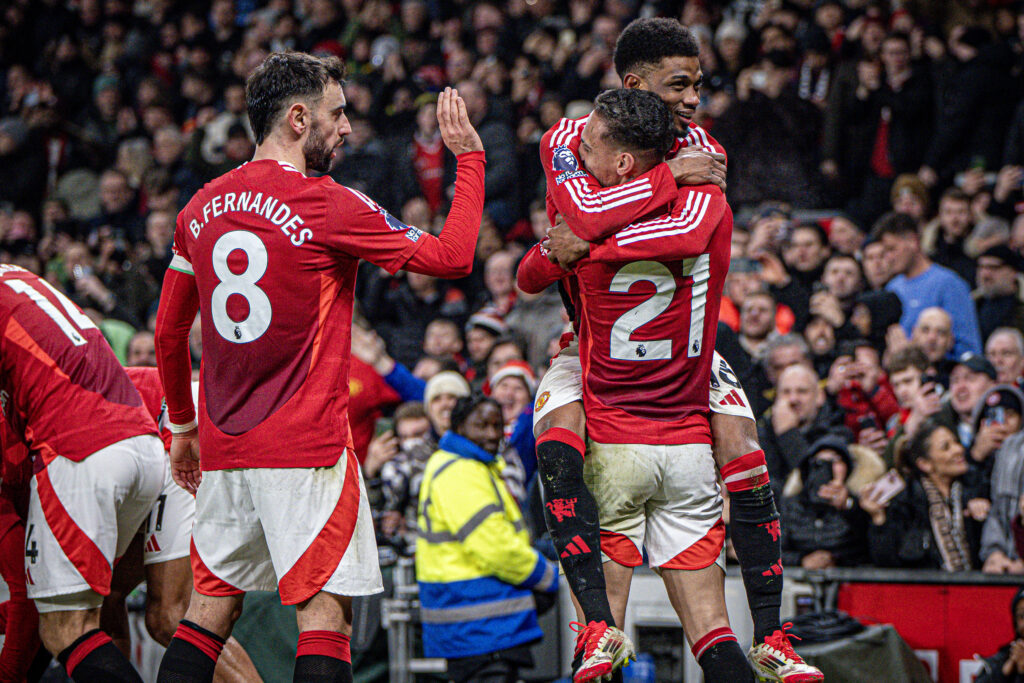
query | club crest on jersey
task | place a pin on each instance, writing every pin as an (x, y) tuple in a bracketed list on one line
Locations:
[(542, 400), (565, 164)]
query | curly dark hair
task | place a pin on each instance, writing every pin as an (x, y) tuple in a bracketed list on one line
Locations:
[(636, 119), (465, 406), (645, 42), (283, 77)]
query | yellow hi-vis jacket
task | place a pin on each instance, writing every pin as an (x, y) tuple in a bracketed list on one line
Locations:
[(474, 563)]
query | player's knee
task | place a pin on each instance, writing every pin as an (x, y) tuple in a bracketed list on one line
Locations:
[(162, 618), (60, 629)]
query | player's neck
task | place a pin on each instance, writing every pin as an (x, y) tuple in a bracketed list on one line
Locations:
[(273, 150)]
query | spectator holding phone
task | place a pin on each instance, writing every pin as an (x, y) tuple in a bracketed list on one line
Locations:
[(822, 525), (929, 524), (862, 392), (918, 391), (999, 419)]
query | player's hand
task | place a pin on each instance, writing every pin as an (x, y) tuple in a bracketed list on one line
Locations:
[(698, 167), (457, 132), (564, 245), (185, 460)]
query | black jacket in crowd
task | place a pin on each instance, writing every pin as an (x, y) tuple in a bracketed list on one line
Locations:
[(906, 540)]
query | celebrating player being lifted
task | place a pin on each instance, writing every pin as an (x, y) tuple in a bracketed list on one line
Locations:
[(268, 256), (661, 56)]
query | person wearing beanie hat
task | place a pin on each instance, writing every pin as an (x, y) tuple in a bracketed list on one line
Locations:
[(1007, 665), (482, 330), (439, 397), (513, 386), (823, 525), (997, 460)]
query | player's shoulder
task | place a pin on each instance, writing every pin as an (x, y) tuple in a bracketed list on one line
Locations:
[(697, 136), (564, 132)]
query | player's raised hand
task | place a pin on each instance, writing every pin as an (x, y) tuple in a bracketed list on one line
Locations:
[(185, 461), (457, 132)]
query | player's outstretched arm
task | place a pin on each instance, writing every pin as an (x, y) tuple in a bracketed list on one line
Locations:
[(450, 254), (593, 211), (179, 303)]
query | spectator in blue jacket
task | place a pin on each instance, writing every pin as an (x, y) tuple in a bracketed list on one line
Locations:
[(921, 284)]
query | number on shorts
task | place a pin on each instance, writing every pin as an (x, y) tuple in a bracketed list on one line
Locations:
[(68, 327), (243, 284), (658, 274), (30, 546), (159, 524)]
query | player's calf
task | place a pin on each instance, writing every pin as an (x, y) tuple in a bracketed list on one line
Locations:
[(192, 654), (87, 653)]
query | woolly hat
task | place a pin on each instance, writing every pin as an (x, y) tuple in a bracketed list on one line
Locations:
[(514, 368), (447, 382), (489, 321)]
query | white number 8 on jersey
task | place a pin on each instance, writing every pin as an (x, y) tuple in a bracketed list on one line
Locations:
[(242, 284)]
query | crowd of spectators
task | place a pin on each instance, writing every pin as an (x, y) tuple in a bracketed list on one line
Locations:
[(874, 305)]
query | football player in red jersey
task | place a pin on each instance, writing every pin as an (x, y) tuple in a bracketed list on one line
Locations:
[(661, 56), (645, 375), (18, 614), (97, 461), (268, 256)]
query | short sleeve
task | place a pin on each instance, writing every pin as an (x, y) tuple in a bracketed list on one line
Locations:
[(180, 260), (359, 227)]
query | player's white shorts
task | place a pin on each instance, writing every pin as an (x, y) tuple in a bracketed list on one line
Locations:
[(563, 383), (300, 530), (167, 532), (82, 516), (664, 498)]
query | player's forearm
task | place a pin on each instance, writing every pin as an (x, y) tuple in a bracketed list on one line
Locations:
[(594, 212), (450, 254), (536, 273), (179, 302)]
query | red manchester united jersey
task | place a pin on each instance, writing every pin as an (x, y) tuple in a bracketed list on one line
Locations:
[(647, 327), (274, 255), (61, 388)]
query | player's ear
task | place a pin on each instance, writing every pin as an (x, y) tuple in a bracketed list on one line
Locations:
[(634, 82), (299, 118), (625, 164)]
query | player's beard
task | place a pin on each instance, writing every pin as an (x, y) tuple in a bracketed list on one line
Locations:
[(316, 151)]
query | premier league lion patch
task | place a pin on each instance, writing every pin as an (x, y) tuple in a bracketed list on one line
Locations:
[(565, 164)]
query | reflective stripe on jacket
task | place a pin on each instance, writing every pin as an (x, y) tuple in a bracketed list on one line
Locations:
[(474, 562)]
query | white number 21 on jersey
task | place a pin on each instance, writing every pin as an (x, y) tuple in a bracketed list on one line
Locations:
[(658, 274)]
